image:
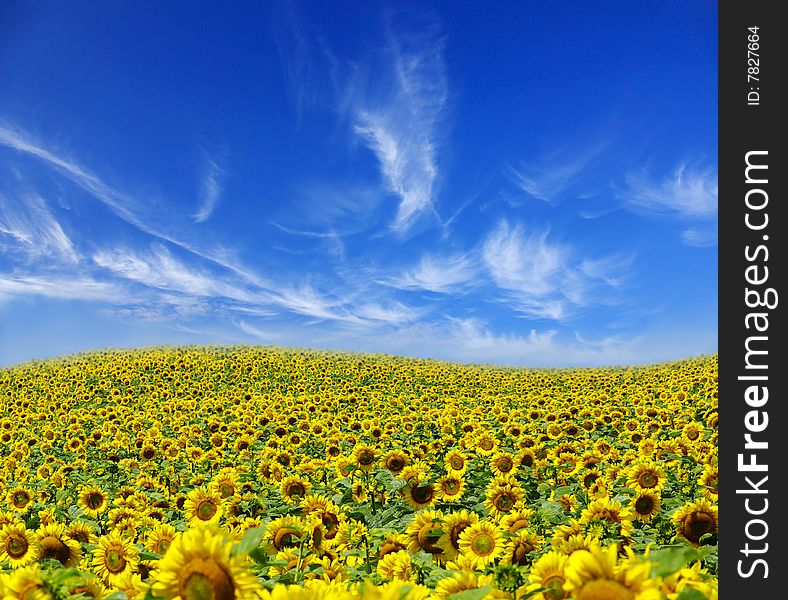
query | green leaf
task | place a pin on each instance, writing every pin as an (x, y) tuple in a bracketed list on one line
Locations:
[(250, 541), (476, 594), (691, 594), (145, 555)]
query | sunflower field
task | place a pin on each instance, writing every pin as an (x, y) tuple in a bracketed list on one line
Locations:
[(248, 472)]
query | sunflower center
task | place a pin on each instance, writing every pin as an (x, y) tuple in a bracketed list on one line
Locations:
[(427, 540), (226, 490), (505, 465), (21, 499), (457, 463), (647, 480), (395, 464), (554, 587), (693, 434), (486, 444), (204, 579), (483, 544), (520, 554), (518, 525), (504, 502), (604, 589), (644, 505), (206, 509), (296, 489), (52, 547), (451, 486), (162, 545), (16, 545), (95, 500), (697, 525), (366, 458), (115, 560), (422, 493), (285, 538), (454, 534)]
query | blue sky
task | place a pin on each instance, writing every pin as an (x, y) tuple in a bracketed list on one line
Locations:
[(534, 185)]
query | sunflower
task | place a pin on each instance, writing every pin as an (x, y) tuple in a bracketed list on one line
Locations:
[(503, 464), (17, 545), (293, 489), (92, 500), (203, 506), (503, 497), (53, 542), (646, 505), (25, 584), (482, 542), (19, 500), (515, 520), (425, 532), (396, 565), (284, 532), (696, 519), (461, 582), (610, 512), (453, 525), (709, 480), (548, 573), (89, 588), (114, 556), (450, 488), (692, 433), (82, 532), (199, 565), (646, 475), (593, 574), (160, 538), (393, 542), (327, 511), (225, 482), (519, 545), (395, 461), (485, 444), (419, 495), (365, 457), (456, 462)]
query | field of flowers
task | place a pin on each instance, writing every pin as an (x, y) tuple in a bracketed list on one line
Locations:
[(244, 472)]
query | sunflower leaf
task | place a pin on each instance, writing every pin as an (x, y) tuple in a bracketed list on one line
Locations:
[(250, 541), (476, 594)]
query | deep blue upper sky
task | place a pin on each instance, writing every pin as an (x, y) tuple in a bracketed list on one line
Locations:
[(535, 184)]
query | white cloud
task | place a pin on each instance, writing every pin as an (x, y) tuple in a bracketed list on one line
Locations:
[(74, 287), (35, 230), (440, 274), (400, 126), (211, 190), (545, 280), (689, 193)]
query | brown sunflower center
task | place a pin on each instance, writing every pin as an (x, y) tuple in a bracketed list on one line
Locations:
[(296, 490), (21, 499), (286, 537), (451, 486), (16, 545), (482, 544), (693, 434), (487, 444), (457, 463), (520, 554), (422, 494), (226, 490), (206, 509), (115, 560), (366, 458), (52, 547), (648, 480), (428, 538), (604, 589), (395, 465), (697, 525), (505, 465), (644, 505), (554, 587), (162, 545), (504, 502), (148, 453), (205, 579), (94, 500)]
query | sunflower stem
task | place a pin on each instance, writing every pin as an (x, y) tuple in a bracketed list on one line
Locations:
[(366, 555)]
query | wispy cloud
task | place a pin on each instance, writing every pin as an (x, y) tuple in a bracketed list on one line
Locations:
[(256, 332), (543, 279), (399, 124), (34, 229), (550, 178), (689, 193), (74, 287), (440, 274), (210, 190)]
